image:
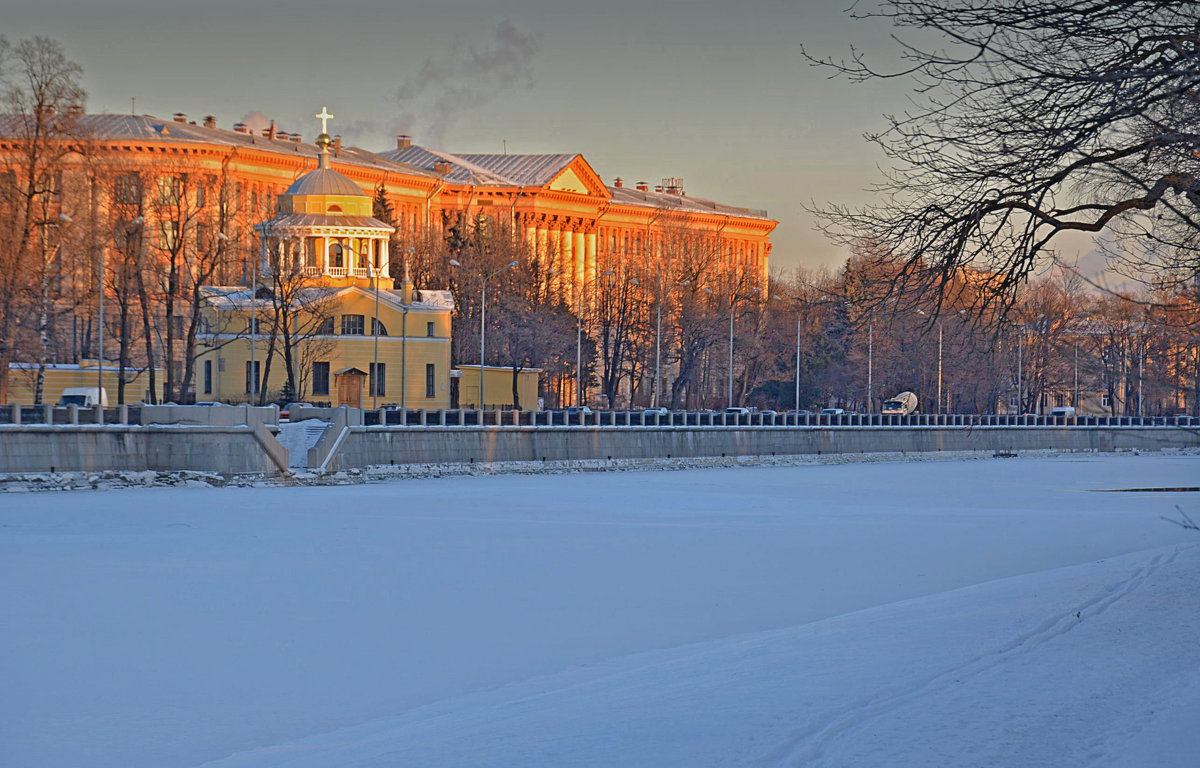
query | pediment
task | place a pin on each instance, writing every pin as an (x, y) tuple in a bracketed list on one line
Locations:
[(579, 178)]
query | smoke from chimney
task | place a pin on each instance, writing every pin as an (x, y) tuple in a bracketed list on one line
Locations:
[(462, 81)]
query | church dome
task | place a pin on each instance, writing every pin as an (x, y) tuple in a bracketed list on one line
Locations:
[(325, 181)]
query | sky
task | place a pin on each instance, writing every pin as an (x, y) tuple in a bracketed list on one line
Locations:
[(717, 93)]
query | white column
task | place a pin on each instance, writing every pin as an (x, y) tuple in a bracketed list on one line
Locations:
[(325, 255), (578, 251), (566, 267), (590, 261)]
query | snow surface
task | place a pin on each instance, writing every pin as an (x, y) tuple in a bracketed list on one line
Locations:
[(987, 612)]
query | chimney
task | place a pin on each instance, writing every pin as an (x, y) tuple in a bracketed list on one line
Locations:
[(240, 128), (442, 169), (403, 141), (297, 138), (618, 182), (658, 188), (210, 121), (673, 185), (271, 131), (642, 187), (337, 145), (180, 117)]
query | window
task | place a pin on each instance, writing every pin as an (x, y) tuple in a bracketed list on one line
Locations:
[(337, 257), (128, 189), (200, 195), (429, 330), (352, 325), (52, 188), (378, 383), (208, 377), (378, 328), (168, 235), (169, 188), (326, 327), (320, 378), (429, 380), (253, 369), (254, 326), (1106, 400)]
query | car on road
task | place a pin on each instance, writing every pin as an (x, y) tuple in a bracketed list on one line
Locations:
[(833, 411), (576, 410), (655, 412), (736, 411)]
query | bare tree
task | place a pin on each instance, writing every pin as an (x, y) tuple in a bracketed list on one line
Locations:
[(1032, 119), (41, 94)]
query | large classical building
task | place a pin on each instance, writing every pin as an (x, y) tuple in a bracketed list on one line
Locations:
[(184, 191)]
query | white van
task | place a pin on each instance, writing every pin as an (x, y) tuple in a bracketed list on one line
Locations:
[(1065, 411), (84, 397)]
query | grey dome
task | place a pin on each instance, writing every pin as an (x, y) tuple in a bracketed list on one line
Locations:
[(324, 181)]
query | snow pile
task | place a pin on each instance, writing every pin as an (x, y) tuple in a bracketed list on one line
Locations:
[(878, 613)]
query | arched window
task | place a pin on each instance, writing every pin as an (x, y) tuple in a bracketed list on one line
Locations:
[(334, 209), (337, 256), (378, 328)]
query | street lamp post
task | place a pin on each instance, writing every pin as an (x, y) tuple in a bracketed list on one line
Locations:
[(579, 342), (375, 333), (733, 300), (796, 405), (483, 278), (871, 363)]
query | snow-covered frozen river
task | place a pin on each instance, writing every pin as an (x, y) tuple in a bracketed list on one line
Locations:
[(904, 613)]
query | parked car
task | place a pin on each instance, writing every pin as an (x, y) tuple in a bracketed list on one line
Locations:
[(1063, 410), (833, 411), (660, 411), (286, 411), (736, 411), (576, 410)]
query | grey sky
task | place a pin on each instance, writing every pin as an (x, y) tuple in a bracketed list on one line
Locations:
[(714, 92)]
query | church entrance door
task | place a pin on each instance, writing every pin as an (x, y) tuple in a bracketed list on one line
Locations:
[(350, 386)]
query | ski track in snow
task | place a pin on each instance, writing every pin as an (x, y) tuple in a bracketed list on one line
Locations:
[(808, 746)]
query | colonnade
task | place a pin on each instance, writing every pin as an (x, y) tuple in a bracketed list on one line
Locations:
[(360, 253), (571, 244)]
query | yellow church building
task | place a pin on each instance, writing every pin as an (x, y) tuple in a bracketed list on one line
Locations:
[(322, 321)]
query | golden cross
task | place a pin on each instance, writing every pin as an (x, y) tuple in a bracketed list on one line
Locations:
[(324, 118)]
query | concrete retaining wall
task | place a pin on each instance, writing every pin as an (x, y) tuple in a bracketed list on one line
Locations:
[(86, 448), (243, 450), (365, 446)]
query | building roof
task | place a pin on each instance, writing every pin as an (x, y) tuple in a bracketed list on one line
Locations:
[(500, 170), (668, 200), (106, 127), (305, 220), (539, 170), (237, 297), (523, 170), (325, 181)]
